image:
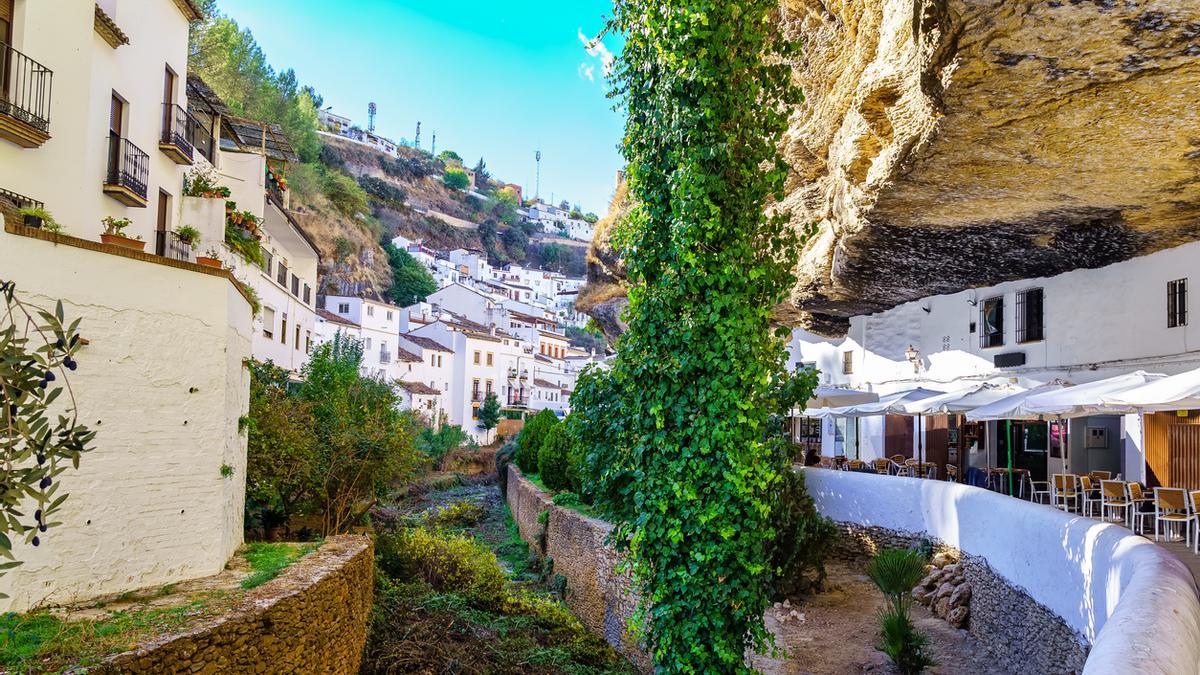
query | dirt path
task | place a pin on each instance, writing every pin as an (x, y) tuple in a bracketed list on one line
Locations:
[(835, 633)]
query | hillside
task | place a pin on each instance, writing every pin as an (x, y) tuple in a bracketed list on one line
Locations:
[(357, 197)]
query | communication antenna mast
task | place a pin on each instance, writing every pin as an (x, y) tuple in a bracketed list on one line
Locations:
[(537, 190), (417, 138), (371, 117)]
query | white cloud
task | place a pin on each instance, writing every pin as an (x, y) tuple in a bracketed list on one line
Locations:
[(587, 72), (597, 49)]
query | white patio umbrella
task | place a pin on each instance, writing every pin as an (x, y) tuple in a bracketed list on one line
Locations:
[(1177, 392), (888, 404), (1013, 406), (1084, 400), (828, 397), (962, 400)]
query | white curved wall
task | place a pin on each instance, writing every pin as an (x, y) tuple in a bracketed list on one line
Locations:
[(1135, 602)]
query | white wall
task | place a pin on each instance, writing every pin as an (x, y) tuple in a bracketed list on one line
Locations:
[(163, 385), (1131, 599)]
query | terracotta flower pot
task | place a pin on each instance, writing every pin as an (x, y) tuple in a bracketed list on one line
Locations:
[(125, 242), (208, 262)]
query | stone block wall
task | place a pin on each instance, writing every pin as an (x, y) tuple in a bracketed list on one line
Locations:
[(577, 547), (310, 619)]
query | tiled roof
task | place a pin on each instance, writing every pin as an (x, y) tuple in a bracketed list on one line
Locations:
[(425, 343), (417, 388), (334, 318), (544, 383), (407, 356)]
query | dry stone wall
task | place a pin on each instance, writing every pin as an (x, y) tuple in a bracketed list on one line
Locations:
[(577, 547), (311, 619)]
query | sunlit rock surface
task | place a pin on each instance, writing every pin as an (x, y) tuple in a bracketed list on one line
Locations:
[(945, 144)]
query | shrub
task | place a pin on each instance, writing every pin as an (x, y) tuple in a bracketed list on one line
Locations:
[(344, 193), (896, 571), (462, 513), (529, 441), (504, 456), (437, 444), (456, 179), (553, 458), (803, 539), (383, 191), (903, 643), (448, 562)]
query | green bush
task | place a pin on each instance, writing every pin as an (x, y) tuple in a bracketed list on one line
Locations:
[(803, 539), (462, 513), (505, 456), (449, 563), (529, 441), (456, 179), (344, 193), (903, 643), (896, 571), (553, 458)]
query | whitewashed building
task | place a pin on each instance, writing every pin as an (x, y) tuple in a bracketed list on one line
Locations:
[(379, 329), (1077, 327)]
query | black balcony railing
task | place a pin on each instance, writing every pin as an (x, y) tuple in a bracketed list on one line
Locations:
[(476, 396), (168, 245), (128, 166), (25, 88), (179, 129)]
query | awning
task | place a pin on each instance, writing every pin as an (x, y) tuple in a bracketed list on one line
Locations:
[(963, 400), (888, 404), (1088, 399), (1013, 406), (1177, 392), (827, 397)]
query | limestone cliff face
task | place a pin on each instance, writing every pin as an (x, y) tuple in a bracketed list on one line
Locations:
[(945, 144), (603, 298)]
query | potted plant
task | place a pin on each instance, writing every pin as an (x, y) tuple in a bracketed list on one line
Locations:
[(114, 234), (38, 217), (188, 235), (211, 258)]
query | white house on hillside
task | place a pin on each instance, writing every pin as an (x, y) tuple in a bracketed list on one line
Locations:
[(379, 325)]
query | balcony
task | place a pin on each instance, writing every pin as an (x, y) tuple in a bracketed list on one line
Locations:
[(25, 88), (128, 172), (385, 356), (476, 396), (168, 245), (178, 134)]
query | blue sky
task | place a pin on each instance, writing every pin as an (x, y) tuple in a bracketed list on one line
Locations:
[(497, 80)]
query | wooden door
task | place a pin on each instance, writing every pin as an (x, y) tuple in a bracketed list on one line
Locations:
[(161, 241), (116, 114), (168, 98), (6, 22), (1160, 447), (937, 435), (898, 435), (1184, 441)]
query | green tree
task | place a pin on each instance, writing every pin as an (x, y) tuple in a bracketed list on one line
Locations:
[(437, 444), (281, 450), (554, 458), (456, 179), (515, 240), (489, 413), (344, 193), (587, 340), (529, 440), (411, 282), (689, 473), (481, 174), (450, 156)]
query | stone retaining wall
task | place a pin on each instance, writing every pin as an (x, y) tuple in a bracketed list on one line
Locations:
[(577, 547), (312, 619)]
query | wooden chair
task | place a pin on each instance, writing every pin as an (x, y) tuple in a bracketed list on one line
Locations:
[(1141, 507), (1171, 508), (882, 465), (1114, 499), (856, 464), (825, 462), (1066, 492), (1038, 490), (951, 473), (1090, 496), (899, 459), (1194, 497), (1098, 476)]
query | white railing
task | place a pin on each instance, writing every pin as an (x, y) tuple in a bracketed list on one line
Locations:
[(1134, 602)]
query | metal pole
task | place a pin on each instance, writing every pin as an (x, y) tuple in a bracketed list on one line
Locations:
[(920, 444), (1010, 457), (857, 446)]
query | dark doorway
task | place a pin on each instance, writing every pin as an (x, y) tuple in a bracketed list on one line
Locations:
[(1030, 442), (898, 435)]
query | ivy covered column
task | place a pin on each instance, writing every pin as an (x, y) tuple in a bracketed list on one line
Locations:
[(677, 428)]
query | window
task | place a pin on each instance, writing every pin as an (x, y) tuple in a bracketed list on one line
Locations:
[(991, 321), (1177, 303), (489, 387), (370, 310), (489, 359), (282, 274), (268, 323), (368, 344), (283, 330), (439, 360), (343, 308), (307, 342), (847, 363), (432, 360), (1031, 325), (268, 259), (389, 315), (307, 295), (296, 343), (478, 356), (6, 20), (295, 286)]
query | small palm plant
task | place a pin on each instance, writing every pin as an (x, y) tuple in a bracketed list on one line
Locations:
[(896, 572)]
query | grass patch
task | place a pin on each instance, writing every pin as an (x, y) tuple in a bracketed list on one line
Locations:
[(513, 551), (268, 560), (42, 642), (567, 500)]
